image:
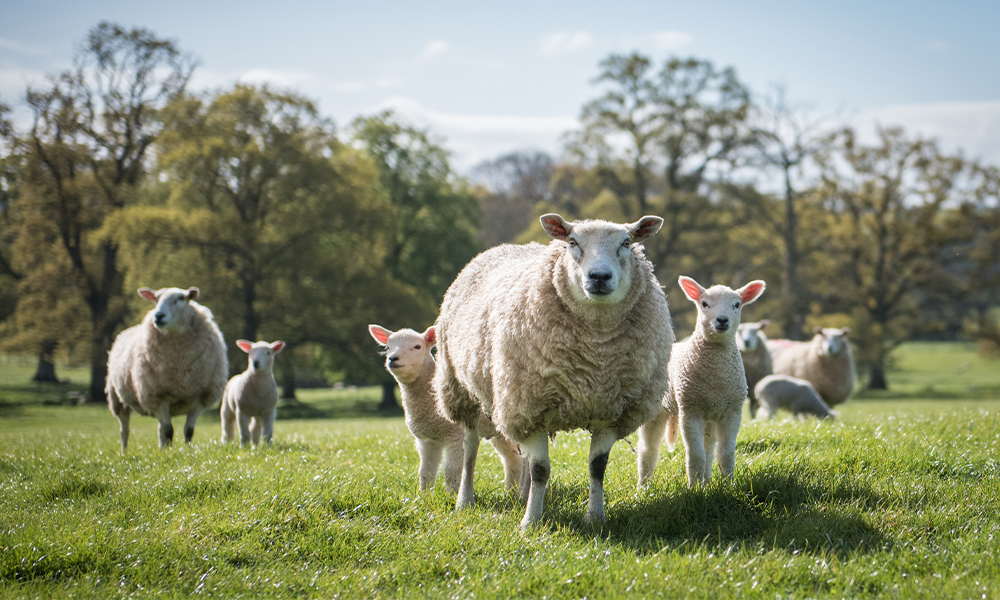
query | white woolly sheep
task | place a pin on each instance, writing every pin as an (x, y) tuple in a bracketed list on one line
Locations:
[(409, 360), (575, 334), (757, 365), (173, 363), (251, 398), (826, 361), (707, 386), (791, 393)]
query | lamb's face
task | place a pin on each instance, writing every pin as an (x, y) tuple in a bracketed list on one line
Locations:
[(172, 306), (833, 342), (406, 351), (747, 338), (261, 354), (720, 308)]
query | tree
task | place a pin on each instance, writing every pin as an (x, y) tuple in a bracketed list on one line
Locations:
[(517, 182)]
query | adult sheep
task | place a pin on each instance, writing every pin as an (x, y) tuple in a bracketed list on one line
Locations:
[(572, 335), (173, 363), (757, 365), (826, 361)]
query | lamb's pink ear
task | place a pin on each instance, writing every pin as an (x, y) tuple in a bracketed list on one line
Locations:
[(381, 334), (147, 294), (277, 347), (556, 226), (644, 227), (846, 331), (193, 293), (691, 288), (763, 323), (244, 345), (751, 291), (430, 336)]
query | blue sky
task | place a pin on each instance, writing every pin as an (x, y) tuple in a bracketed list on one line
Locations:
[(493, 77)]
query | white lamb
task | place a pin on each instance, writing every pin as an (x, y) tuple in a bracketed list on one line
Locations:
[(793, 394), (251, 398), (409, 359), (707, 385), (826, 361), (575, 334), (757, 365), (173, 363)]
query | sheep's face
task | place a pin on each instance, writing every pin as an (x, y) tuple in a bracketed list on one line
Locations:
[(406, 351), (748, 335), (833, 342), (171, 312), (720, 307), (261, 354), (599, 254)]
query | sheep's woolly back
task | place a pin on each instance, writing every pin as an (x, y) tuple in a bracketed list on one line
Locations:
[(832, 376), (147, 367), (255, 392), (792, 394), (705, 377), (513, 339)]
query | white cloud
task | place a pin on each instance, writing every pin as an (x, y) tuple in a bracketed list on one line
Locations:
[(935, 46), (431, 49), (279, 78), (17, 46), (665, 41), (564, 42)]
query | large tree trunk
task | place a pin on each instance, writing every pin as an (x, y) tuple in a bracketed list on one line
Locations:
[(791, 287), (388, 403), (251, 321), (46, 371), (288, 382), (876, 377)]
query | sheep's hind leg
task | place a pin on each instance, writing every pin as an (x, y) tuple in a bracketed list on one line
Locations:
[(510, 458), (228, 414), (466, 493), (166, 428), (536, 449), (122, 412), (430, 460), (650, 438), (192, 418), (454, 452), (600, 450)]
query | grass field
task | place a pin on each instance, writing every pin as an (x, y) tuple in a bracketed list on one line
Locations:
[(899, 498)]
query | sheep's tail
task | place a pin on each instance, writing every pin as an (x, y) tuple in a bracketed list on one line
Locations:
[(672, 426)]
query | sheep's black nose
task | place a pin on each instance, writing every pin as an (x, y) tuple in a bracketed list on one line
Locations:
[(256, 365), (599, 275), (159, 318), (393, 359), (722, 323)]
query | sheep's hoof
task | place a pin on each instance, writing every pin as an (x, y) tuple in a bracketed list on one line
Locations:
[(594, 518), (527, 524)]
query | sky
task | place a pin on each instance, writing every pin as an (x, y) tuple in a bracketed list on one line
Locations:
[(490, 78)]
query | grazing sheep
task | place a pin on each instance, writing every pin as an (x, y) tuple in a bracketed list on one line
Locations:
[(575, 334), (251, 398), (757, 365), (791, 393), (707, 387), (173, 363), (826, 362), (409, 359)]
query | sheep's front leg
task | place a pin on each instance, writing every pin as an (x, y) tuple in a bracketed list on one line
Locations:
[(650, 439), (693, 434), (729, 428), (536, 452), (192, 418), (710, 441), (600, 450), (466, 493), (243, 421), (268, 425), (166, 428), (430, 459), (255, 427)]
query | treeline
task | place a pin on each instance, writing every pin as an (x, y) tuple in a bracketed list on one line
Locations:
[(300, 231)]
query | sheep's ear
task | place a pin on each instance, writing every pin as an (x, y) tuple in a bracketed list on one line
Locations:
[(430, 336), (817, 331), (691, 288), (193, 293), (556, 226), (763, 323), (751, 291), (644, 227), (381, 334), (277, 347), (244, 345), (846, 331), (147, 294)]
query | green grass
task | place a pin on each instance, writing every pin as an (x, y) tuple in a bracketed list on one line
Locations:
[(899, 498)]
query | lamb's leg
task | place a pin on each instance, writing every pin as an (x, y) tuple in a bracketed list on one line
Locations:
[(228, 415), (536, 452), (268, 424), (453, 455), (693, 433), (650, 438), (466, 493), (510, 458), (430, 460), (192, 418), (600, 449), (243, 420), (709, 441), (729, 428), (166, 428), (123, 413), (524, 485), (255, 427)]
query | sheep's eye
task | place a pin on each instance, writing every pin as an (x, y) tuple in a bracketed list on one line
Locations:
[(573, 244), (737, 305), (626, 243), (704, 304), (417, 347)]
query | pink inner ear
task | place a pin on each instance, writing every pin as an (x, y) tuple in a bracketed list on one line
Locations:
[(276, 347), (148, 294), (691, 289), (244, 345), (556, 228), (753, 290), (430, 336), (381, 334)]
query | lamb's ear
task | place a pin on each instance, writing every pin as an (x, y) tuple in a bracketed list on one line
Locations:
[(556, 226), (277, 347), (817, 331), (644, 227), (430, 336), (763, 323), (147, 294), (691, 288), (381, 334), (244, 345), (193, 293), (846, 331), (751, 291)]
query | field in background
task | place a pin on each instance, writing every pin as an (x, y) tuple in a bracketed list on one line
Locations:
[(900, 498)]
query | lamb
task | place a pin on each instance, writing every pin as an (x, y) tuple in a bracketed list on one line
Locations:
[(826, 362), (791, 393), (757, 365), (173, 363), (575, 334), (707, 385), (251, 398), (409, 360)]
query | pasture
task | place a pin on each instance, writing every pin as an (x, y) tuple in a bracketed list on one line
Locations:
[(899, 498)]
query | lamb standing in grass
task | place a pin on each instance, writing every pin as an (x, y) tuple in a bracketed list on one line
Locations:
[(409, 359), (826, 361), (575, 334), (790, 393), (707, 386), (757, 365), (251, 398), (173, 363)]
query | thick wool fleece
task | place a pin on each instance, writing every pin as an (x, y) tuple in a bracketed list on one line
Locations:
[(832, 376), (515, 341), (792, 394), (706, 378)]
